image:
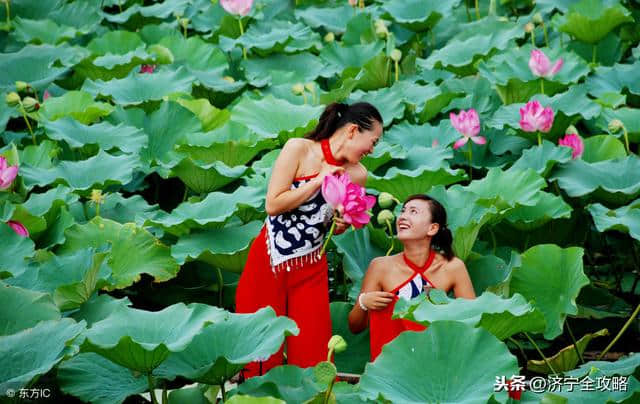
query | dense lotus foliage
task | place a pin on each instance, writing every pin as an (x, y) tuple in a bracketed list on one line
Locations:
[(136, 143)]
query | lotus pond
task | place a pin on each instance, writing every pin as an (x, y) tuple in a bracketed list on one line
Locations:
[(137, 139)]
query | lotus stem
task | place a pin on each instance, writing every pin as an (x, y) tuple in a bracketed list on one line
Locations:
[(390, 236), (151, 392), (220, 286), (626, 139), (120, 5), (186, 193), (624, 328), (26, 120), (539, 139), (544, 31), (541, 85), (165, 396), (328, 393), (184, 31), (516, 343), (533, 37), (493, 240), (331, 230), (223, 392), (395, 63), (595, 50), (97, 210), (466, 6), (575, 344), (304, 98), (470, 161), (477, 10), (8, 10), (244, 50), (541, 354)]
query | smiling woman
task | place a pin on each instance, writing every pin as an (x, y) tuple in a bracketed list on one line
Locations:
[(427, 262)]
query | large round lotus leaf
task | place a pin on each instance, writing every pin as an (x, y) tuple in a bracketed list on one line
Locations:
[(375, 74), (40, 155), (48, 342), (623, 366), (625, 219), (547, 206), (272, 36), (71, 279), (506, 189), (630, 117), (551, 277), (332, 19), (97, 171), (141, 340), (98, 308), (567, 358), (501, 317), (158, 10), (389, 101), (614, 79), (151, 256), (23, 308), (92, 378), (290, 383), (417, 15), (382, 154), (107, 136), (339, 57), (360, 30), (422, 169), (215, 80), (302, 67), (591, 20), (478, 38), (225, 248), (41, 31), (602, 147), (222, 349), (194, 53), (31, 8), (270, 117), (449, 362), (122, 210), (14, 250), (43, 204), (579, 178), (77, 104), (486, 271), (138, 87), (82, 15), (129, 59), (206, 177), (410, 136), (357, 354), (30, 65), (210, 116), (542, 158)]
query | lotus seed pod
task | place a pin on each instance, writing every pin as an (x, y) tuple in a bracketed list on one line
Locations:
[(529, 27), (338, 344), (396, 55), (184, 22), (385, 200), (163, 55), (325, 372), (21, 86), (615, 126), (30, 104), (12, 99), (297, 88), (385, 216), (330, 37)]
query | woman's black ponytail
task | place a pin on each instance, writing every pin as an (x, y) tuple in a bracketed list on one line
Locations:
[(443, 239), (338, 114)]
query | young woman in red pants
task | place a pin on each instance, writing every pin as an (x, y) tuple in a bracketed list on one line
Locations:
[(284, 269), (422, 227)]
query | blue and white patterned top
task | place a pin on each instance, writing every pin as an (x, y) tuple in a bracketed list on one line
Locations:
[(414, 287)]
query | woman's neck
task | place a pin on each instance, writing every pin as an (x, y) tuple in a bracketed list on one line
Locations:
[(336, 145), (417, 251)]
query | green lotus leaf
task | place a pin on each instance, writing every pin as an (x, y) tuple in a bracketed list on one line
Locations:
[(194, 53), (244, 399), (501, 317), (77, 104), (340, 57), (29, 65), (43, 204), (578, 178), (333, 19), (107, 136), (624, 366), (206, 177), (214, 79), (449, 362), (222, 349), (82, 15), (357, 354), (506, 189), (360, 30), (151, 256), (551, 277), (24, 308), (41, 31), (601, 148), (289, 383), (71, 279), (630, 117), (32, 8), (422, 169), (101, 169), (271, 117), (547, 206), (303, 67), (625, 219), (50, 341), (416, 15), (272, 36), (99, 307), (210, 116), (157, 10), (41, 155), (141, 340), (566, 359), (120, 209), (212, 211), (54, 234), (543, 158), (427, 101), (410, 136), (382, 154), (115, 42), (92, 378), (129, 59), (225, 248), (477, 39), (137, 88), (486, 271), (15, 250), (614, 79), (388, 101), (591, 20)]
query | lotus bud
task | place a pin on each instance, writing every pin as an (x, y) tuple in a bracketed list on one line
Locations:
[(330, 37), (529, 27), (381, 29), (184, 22), (537, 18), (12, 99), (337, 344), (162, 54), (385, 216), (396, 55), (615, 126), (229, 79), (297, 88), (21, 86), (30, 104), (385, 200), (572, 130)]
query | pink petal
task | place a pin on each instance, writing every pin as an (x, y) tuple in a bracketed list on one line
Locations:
[(3, 163), (455, 122), (333, 191), (557, 66), (460, 142), (539, 63), (478, 139), (7, 176), (546, 120), (18, 228)]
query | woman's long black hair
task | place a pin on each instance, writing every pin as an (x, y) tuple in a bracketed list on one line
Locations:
[(443, 238), (337, 114)]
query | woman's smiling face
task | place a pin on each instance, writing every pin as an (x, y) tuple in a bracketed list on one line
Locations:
[(414, 222), (362, 142)]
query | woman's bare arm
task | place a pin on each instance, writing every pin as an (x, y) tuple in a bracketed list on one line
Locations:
[(375, 298), (462, 286)]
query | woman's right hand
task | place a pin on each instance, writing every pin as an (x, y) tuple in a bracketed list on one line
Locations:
[(328, 169), (377, 300)]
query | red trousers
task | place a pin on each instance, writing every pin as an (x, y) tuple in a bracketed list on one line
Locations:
[(301, 294)]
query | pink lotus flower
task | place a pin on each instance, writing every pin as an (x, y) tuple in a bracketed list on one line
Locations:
[(18, 228), (356, 205), (468, 124), (238, 7), (46, 95), (573, 141), (7, 173), (534, 118), (540, 64), (147, 68)]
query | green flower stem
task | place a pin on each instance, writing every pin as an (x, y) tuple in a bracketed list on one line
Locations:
[(328, 393), (544, 31), (470, 161), (244, 50), (395, 62), (331, 230), (466, 6), (8, 11), (390, 236), (575, 344), (165, 395), (477, 10), (624, 328), (153, 395), (26, 120), (304, 98), (533, 37), (184, 30), (541, 354), (541, 85), (539, 139), (97, 210), (220, 285), (223, 392), (626, 139), (120, 5), (593, 57), (516, 343)]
